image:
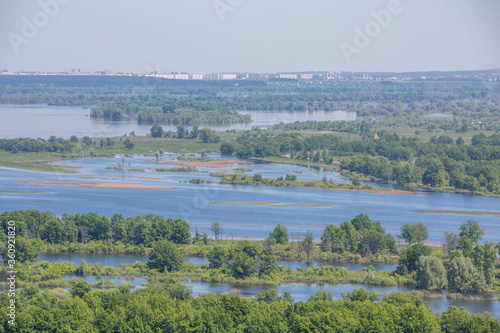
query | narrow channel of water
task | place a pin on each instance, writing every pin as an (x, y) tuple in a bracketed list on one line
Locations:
[(115, 260), (302, 291)]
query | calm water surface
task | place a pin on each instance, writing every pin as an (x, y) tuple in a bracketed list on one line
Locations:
[(195, 203), (43, 121), (115, 260), (302, 291)]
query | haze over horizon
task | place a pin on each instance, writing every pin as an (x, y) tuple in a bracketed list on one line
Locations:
[(249, 36)]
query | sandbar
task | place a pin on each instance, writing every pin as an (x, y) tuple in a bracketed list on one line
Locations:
[(207, 164), (461, 212), (96, 185)]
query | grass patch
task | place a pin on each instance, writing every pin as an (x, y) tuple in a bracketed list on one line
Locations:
[(247, 203), (27, 192), (460, 212), (33, 161), (183, 169), (242, 170), (272, 204)]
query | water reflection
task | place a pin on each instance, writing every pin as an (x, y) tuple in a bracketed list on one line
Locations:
[(302, 292), (43, 121), (115, 260)]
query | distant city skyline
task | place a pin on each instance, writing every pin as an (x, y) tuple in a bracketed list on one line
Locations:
[(233, 36)]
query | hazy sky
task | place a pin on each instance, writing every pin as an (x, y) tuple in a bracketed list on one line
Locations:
[(204, 36)]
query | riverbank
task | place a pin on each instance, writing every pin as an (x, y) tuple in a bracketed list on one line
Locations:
[(291, 181)]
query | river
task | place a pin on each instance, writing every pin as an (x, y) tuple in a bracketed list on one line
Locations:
[(233, 206), (115, 260), (43, 121), (302, 291), (197, 203)]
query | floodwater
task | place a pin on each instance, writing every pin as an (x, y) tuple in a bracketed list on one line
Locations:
[(115, 260), (43, 121), (234, 205), (302, 291)]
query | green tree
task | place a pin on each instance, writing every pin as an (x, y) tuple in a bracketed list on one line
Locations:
[(484, 258), (464, 277), (217, 257), (321, 295), (465, 245), (128, 144), (471, 229), (280, 234), (227, 148), (180, 232), (267, 264), (431, 273), (195, 132), (361, 295), (362, 222), (457, 320), (179, 291), (80, 288), (169, 108), (269, 296), (434, 174), (209, 136), (374, 241), (308, 245), (165, 255), (390, 244), (157, 131), (410, 256), (241, 264), (24, 250), (53, 231), (181, 131), (414, 233)]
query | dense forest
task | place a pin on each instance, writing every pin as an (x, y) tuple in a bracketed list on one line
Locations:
[(464, 266), (166, 305), (184, 113), (366, 148), (138, 230), (160, 308), (384, 156)]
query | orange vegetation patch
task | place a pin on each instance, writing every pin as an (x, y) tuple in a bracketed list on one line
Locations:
[(96, 185), (207, 164), (394, 192)]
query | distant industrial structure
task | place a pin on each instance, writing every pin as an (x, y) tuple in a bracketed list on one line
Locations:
[(193, 76), (284, 76)]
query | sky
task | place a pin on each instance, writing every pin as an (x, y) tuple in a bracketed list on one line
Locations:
[(213, 36)]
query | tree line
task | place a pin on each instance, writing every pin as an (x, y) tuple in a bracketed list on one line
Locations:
[(206, 134), (386, 157), (469, 266), (83, 228), (184, 112), (359, 235), (168, 307)]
